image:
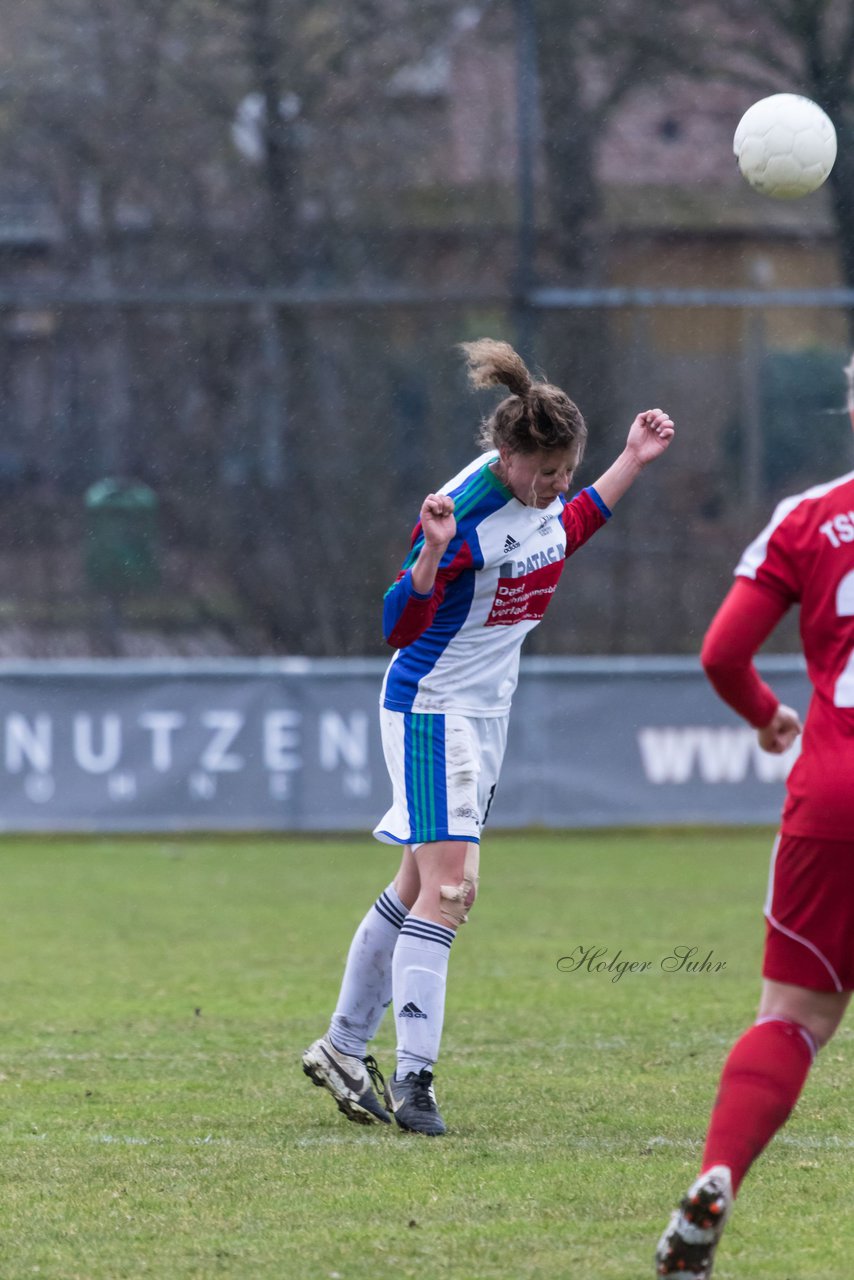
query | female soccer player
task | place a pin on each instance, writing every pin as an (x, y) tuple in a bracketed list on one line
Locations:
[(486, 557), (804, 556)]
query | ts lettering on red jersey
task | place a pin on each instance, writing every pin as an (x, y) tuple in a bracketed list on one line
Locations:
[(805, 556)]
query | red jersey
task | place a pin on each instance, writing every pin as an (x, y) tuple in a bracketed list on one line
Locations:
[(804, 556)]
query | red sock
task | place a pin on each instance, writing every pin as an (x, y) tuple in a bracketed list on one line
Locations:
[(761, 1082)]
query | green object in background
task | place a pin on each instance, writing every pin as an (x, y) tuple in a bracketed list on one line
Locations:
[(122, 551)]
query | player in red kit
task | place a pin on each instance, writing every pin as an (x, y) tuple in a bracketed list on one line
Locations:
[(805, 557)]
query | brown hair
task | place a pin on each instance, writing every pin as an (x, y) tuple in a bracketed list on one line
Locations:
[(536, 415)]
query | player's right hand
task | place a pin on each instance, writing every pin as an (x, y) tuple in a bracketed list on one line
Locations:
[(781, 731), (438, 523)]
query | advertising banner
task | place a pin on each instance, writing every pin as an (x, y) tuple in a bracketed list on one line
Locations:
[(293, 745)]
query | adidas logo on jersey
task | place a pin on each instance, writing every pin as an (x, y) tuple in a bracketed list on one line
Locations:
[(411, 1010), (510, 544)]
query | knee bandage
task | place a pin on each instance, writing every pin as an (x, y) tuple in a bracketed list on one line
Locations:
[(455, 899)]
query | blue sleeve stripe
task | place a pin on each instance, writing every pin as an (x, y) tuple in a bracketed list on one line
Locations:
[(606, 511)]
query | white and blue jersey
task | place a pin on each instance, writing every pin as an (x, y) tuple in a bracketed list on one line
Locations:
[(458, 647)]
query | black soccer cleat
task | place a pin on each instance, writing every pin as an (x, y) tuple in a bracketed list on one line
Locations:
[(413, 1103)]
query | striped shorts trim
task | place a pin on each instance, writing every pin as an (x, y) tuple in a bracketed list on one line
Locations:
[(443, 771)]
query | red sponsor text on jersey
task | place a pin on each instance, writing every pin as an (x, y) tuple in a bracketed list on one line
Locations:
[(524, 599)]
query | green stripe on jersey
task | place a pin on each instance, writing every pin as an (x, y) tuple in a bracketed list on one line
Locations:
[(479, 487)]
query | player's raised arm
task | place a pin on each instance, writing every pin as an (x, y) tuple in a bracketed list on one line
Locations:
[(438, 525), (649, 436)]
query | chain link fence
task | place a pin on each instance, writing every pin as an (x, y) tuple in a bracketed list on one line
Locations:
[(289, 439)]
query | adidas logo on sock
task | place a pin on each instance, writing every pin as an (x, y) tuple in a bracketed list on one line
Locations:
[(411, 1010), (510, 544)]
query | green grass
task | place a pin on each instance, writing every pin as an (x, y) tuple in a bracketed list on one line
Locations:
[(156, 996)]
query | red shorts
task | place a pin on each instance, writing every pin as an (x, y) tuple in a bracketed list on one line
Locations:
[(809, 912)]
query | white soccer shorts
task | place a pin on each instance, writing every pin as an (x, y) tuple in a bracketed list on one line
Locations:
[(444, 770)]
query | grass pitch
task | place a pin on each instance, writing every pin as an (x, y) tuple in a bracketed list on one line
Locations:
[(156, 997)]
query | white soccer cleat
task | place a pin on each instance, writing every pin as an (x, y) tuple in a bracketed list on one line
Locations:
[(351, 1081), (687, 1247)]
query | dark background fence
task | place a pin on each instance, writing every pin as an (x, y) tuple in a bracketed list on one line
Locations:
[(238, 244), (285, 441)]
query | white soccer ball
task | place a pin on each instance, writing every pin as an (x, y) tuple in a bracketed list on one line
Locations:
[(785, 146)]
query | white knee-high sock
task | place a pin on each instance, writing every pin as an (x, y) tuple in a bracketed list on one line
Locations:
[(419, 974), (366, 986)]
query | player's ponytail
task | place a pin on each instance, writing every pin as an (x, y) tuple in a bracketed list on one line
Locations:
[(536, 415), (496, 364)]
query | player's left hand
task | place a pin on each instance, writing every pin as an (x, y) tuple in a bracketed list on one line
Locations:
[(650, 434)]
